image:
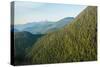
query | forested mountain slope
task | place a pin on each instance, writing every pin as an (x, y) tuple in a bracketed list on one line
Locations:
[(75, 42), (23, 41)]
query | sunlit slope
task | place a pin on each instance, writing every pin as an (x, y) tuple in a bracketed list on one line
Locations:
[(75, 42)]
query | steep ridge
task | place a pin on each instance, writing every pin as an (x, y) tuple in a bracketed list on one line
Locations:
[(75, 42)]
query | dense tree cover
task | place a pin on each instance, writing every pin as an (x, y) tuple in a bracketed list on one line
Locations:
[(23, 41), (75, 42)]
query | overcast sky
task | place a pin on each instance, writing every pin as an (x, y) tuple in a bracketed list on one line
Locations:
[(26, 12)]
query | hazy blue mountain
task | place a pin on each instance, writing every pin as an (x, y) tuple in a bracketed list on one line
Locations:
[(75, 42), (64, 21), (43, 27), (61, 23), (31, 24), (39, 27)]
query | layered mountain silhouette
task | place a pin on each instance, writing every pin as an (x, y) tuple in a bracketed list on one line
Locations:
[(26, 35), (77, 41), (67, 40), (43, 27)]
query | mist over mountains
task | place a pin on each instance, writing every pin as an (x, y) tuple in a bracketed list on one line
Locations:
[(67, 40), (75, 42), (43, 26)]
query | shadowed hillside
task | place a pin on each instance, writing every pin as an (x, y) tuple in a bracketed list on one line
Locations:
[(75, 42), (23, 41)]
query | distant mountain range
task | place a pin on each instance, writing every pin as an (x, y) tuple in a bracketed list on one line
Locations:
[(42, 27), (26, 35), (35, 43), (75, 42)]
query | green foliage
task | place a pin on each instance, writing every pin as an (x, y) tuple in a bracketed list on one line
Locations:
[(23, 42), (75, 42)]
